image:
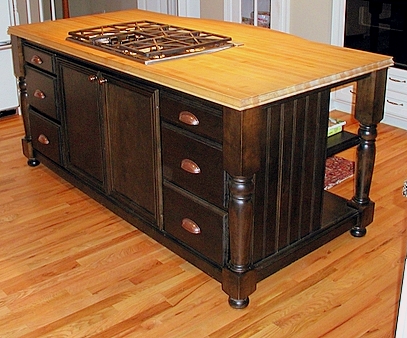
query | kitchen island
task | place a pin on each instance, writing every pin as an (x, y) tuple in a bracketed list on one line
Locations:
[(219, 156)]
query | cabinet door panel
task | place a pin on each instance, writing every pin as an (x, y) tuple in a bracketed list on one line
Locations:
[(133, 146), (83, 123)]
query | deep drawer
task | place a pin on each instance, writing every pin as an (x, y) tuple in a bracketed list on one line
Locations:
[(41, 92), (193, 165), (39, 58), (201, 120), (45, 136), (196, 224)]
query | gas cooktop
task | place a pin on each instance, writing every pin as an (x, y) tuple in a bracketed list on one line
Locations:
[(148, 42)]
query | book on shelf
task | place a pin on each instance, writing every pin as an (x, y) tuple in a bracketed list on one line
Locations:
[(335, 126)]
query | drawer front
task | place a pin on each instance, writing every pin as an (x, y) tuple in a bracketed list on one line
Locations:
[(41, 92), (201, 120), (39, 58), (45, 136), (194, 166), (396, 104), (196, 224), (397, 81)]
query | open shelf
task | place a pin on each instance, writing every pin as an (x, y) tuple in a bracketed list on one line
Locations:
[(340, 142)]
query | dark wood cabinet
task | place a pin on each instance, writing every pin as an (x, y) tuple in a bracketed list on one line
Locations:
[(40, 105), (230, 177), (111, 133)]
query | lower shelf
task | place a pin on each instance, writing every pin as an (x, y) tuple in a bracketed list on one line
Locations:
[(340, 142), (337, 218)]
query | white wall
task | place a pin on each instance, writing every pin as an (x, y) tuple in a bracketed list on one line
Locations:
[(212, 9), (311, 19), (80, 7)]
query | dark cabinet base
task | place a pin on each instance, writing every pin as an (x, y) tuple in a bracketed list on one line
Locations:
[(239, 194)]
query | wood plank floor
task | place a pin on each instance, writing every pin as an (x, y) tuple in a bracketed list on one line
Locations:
[(71, 268)]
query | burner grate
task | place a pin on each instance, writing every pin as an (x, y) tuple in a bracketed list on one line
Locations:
[(147, 41)]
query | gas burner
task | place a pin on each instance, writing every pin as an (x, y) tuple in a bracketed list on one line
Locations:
[(148, 42)]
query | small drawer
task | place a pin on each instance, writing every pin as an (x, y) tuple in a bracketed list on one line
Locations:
[(196, 224), (396, 104), (39, 58), (45, 136), (197, 118), (41, 92), (193, 165), (397, 81)]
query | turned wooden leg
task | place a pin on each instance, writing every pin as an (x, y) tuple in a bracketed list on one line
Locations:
[(369, 110), (239, 281), (243, 144), (366, 154)]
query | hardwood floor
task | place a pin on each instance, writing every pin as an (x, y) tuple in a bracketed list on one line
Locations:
[(71, 268)]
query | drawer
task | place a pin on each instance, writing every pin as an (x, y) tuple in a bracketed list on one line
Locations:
[(346, 94), (397, 81), (41, 92), (39, 58), (193, 165), (396, 104), (196, 224), (45, 136), (198, 118)]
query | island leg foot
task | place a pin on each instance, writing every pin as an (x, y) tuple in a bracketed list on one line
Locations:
[(28, 152), (33, 162), (238, 303), (358, 231)]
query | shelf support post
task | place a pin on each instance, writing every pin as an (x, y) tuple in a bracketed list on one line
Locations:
[(369, 111)]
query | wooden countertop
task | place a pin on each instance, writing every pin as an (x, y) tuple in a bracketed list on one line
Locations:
[(269, 66)]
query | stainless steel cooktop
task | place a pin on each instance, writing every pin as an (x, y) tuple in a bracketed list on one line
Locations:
[(149, 42)]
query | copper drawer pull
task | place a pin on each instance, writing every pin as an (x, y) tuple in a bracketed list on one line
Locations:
[(36, 59), (43, 139), (188, 118), (39, 94), (191, 226), (190, 166)]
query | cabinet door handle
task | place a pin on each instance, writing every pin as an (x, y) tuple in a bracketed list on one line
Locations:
[(102, 80), (92, 78), (190, 226), (396, 80), (395, 103), (188, 118), (95, 78), (39, 94), (43, 139), (190, 166), (36, 59)]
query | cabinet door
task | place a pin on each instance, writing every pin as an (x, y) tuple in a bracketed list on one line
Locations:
[(133, 138), (83, 123)]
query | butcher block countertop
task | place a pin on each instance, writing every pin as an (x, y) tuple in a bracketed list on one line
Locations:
[(269, 66)]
